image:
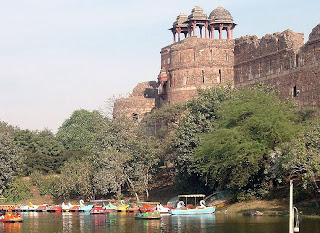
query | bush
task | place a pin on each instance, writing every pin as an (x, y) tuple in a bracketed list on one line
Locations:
[(18, 190), (44, 183)]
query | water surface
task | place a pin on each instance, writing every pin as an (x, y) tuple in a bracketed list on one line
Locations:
[(125, 222)]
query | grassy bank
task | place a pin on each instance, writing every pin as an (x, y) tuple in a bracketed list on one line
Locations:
[(270, 207)]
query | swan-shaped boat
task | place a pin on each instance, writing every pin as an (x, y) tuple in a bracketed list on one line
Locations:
[(122, 206), (162, 209), (66, 208), (110, 207), (183, 210), (84, 208)]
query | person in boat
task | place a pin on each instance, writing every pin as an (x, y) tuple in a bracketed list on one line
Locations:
[(139, 212), (3, 212)]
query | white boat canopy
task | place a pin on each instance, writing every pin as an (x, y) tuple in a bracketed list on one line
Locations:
[(192, 195)]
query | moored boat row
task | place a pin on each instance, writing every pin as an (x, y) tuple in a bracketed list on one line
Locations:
[(145, 210)]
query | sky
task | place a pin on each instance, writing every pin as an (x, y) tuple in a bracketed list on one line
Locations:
[(57, 56)]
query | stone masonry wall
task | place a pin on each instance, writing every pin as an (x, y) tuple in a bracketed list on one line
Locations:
[(140, 102), (281, 60), (196, 63)]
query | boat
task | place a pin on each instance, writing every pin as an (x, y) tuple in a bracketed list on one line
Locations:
[(75, 208), (84, 208), (24, 208), (43, 208), (66, 208), (55, 208), (9, 217), (190, 209), (163, 210), (122, 206), (148, 215), (132, 208), (110, 207), (98, 210), (32, 207), (148, 206)]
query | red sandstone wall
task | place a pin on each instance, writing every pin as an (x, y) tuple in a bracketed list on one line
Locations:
[(196, 63), (281, 60), (141, 101)]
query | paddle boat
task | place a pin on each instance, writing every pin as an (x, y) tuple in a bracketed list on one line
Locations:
[(163, 210), (9, 217), (43, 208), (148, 206), (147, 215), (132, 208), (66, 208), (98, 210), (16, 208), (110, 207), (75, 208), (84, 208), (24, 208), (190, 209), (32, 207), (122, 206), (55, 209)]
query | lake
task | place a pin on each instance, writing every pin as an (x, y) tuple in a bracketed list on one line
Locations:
[(125, 222)]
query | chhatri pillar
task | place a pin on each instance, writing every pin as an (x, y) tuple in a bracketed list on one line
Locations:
[(200, 29), (220, 32), (206, 30), (228, 33)]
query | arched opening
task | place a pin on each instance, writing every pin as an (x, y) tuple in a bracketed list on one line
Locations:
[(203, 77), (135, 116)]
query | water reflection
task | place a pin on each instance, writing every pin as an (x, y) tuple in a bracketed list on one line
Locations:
[(181, 223), (125, 222)]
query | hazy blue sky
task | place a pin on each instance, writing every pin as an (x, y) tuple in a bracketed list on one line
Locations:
[(57, 56)]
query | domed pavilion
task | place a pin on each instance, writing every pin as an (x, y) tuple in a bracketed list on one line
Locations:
[(219, 19)]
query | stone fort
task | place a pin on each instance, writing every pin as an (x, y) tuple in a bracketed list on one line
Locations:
[(204, 54)]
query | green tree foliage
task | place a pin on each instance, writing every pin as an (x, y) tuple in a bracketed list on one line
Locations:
[(75, 180), (162, 124), (44, 182), (236, 155), (10, 156), (131, 152), (110, 174), (42, 151), (80, 131), (199, 117), (18, 190), (301, 156)]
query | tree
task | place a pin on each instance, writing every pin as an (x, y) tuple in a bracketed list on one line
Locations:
[(75, 180), (41, 149), (199, 117), (10, 156), (127, 149), (252, 124), (301, 156), (78, 133)]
